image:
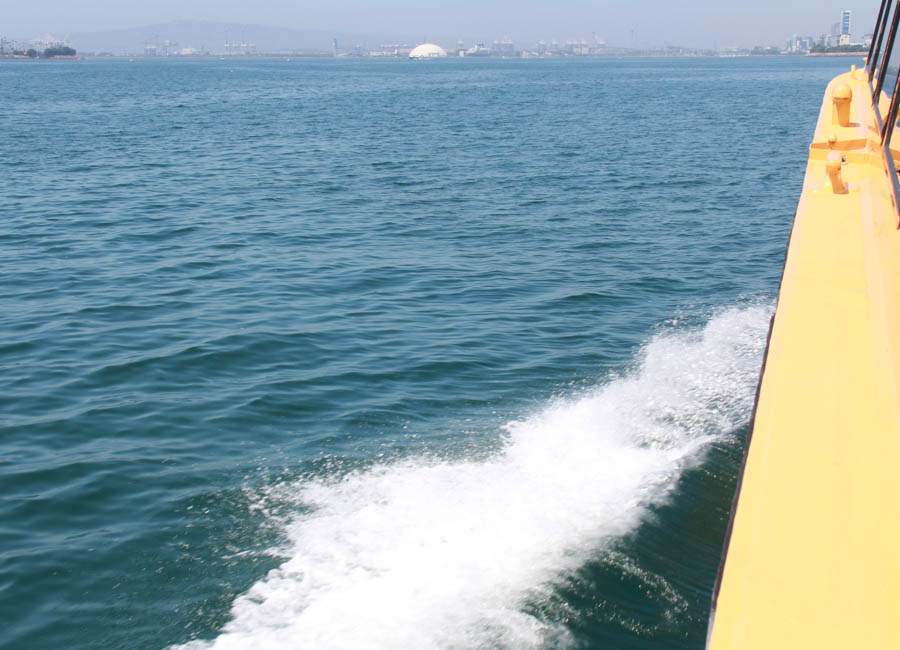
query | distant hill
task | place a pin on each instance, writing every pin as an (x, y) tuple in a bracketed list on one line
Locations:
[(211, 37)]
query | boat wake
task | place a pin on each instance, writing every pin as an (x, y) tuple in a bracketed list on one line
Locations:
[(438, 554)]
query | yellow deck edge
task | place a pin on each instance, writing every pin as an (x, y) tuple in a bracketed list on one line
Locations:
[(813, 555)]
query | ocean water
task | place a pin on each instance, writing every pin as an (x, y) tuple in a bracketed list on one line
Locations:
[(383, 354)]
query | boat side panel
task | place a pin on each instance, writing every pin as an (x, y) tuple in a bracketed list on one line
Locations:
[(813, 558)]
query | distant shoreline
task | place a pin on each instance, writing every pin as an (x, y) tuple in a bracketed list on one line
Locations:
[(325, 56), (25, 57), (837, 54)]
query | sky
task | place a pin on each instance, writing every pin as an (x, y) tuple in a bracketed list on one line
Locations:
[(639, 23)]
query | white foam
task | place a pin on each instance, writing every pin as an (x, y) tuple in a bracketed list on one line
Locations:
[(428, 554)]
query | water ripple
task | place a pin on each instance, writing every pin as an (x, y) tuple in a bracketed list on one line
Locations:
[(220, 276)]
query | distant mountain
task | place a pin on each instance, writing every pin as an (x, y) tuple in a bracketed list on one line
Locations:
[(211, 37)]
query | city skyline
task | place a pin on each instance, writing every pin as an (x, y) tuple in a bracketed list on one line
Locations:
[(693, 23)]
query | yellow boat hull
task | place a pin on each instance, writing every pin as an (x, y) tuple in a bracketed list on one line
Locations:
[(813, 554)]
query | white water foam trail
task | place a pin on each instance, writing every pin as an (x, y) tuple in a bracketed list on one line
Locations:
[(428, 554)]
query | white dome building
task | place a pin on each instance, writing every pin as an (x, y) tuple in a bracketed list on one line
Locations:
[(428, 51)]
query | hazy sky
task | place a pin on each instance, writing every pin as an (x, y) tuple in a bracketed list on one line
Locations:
[(698, 23)]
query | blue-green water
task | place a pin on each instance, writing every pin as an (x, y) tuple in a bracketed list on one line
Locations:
[(346, 354)]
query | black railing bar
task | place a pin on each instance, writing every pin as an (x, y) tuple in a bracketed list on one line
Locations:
[(891, 121), (884, 60), (878, 28)]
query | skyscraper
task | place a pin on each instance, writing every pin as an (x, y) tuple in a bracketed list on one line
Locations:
[(845, 22)]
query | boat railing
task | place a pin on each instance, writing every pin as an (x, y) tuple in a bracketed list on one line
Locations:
[(883, 68)]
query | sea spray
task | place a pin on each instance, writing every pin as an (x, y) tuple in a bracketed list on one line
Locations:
[(449, 554)]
